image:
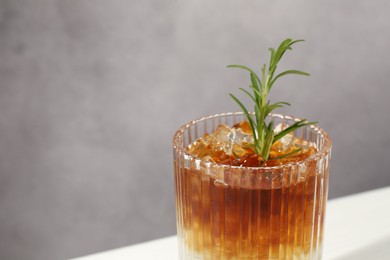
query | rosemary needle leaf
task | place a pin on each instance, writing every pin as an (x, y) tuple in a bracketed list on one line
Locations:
[(272, 50), (298, 72), (292, 128), (256, 91), (249, 94), (244, 68), (283, 103), (287, 154), (300, 40), (255, 83), (270, 126), (235, 154), (270, 108), (257, 111), (268, 143), (248, 116), (291, 72)]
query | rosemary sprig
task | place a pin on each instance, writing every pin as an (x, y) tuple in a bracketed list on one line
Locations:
[(263, 133)]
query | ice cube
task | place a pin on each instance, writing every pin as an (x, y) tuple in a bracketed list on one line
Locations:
[(243, 133), (244, 126), (286, 141), (223, 139), (208, 158), (239, 151), (198, 148)]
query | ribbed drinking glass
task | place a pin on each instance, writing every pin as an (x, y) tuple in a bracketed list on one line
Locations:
[(232, 212)]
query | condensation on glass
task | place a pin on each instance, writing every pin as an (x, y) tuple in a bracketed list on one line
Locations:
[(230, 212)]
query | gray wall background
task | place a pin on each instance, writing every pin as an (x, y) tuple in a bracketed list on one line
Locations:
[(91, 92)]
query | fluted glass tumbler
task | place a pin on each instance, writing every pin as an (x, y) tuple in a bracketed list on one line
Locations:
[(231, 212)]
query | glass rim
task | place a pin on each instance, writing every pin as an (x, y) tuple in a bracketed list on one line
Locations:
[(322, 153)]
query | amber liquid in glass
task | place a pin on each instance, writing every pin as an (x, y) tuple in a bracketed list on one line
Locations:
[(275, 223)]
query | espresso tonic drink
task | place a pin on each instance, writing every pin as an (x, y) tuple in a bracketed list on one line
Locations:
[(230, 205)]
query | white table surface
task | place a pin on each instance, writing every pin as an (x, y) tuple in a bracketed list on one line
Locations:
[(357, 227)]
